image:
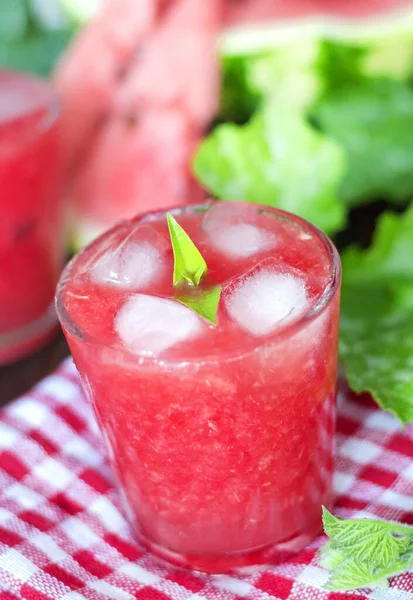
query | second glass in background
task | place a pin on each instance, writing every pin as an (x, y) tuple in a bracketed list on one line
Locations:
[(31, 223)]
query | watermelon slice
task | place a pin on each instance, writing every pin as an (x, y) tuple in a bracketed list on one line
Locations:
[(135, 165), (133, 117), (179, 66), (91, 70)]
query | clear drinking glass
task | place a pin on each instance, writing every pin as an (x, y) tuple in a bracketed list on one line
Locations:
[(31, 236), (221, 437)]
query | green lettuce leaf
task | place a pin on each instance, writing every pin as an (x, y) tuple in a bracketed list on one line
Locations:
[(238, 99), (288, 75), (340, 64), (276, 159), (376, 339), (37, 52), (390, 55), (284, 76), (14, 19), (373, 122)]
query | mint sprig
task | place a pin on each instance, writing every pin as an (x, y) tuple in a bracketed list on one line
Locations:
[(205, 303), (364, 552), (189, 265), (189, 268)]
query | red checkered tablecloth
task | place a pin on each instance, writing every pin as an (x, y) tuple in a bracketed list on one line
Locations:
[(63, 533)]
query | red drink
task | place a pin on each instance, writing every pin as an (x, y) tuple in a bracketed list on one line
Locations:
[(31, 241), (221, 437)]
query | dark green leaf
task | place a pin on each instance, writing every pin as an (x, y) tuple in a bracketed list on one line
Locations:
[(238, 100), (376, 339), (340, 64), (286, 76), (13, 19), (373, 122), (37, 52)]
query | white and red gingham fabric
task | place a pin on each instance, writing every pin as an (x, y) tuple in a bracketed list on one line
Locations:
[(63, 533)]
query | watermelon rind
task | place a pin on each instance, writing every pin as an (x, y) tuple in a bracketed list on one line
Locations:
[(255, 38)]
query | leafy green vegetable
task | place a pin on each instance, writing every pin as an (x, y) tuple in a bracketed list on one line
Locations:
[(286, 76), (37, 52), (238, 99), (189, 264), (204, 302), (48, 15), (390, 55), (376, 341), (81, 11), (363, 552), (343, 63), (32, 35), (276, 159), (373, 122), (340, 64), (13, 19)]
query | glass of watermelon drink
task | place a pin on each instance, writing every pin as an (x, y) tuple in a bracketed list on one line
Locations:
[(31, 241), (221, 436)]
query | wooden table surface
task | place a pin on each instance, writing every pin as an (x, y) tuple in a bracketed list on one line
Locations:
[(19, 377)]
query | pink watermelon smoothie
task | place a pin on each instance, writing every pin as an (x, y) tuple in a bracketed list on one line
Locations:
[(221, 436), (31, 242)]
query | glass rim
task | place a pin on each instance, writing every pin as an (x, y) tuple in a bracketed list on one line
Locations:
[(51, 104), (322, 303)]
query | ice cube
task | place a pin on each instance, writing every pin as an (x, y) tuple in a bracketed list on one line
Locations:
[(230, 230), (243, 240), (265, 300), (149, 325), (131, 265)]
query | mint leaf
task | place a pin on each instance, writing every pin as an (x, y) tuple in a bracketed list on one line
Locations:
[(373, 122), (189, 264), (354, 574), (204, 302), (276, 159), (376, 337), (364, 552), (366, 540), (189, 268)]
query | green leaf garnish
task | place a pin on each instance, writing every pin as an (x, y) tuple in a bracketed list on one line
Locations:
[(376, 337), (189, 265), (189, 268), (204, 302), (364, 552)]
